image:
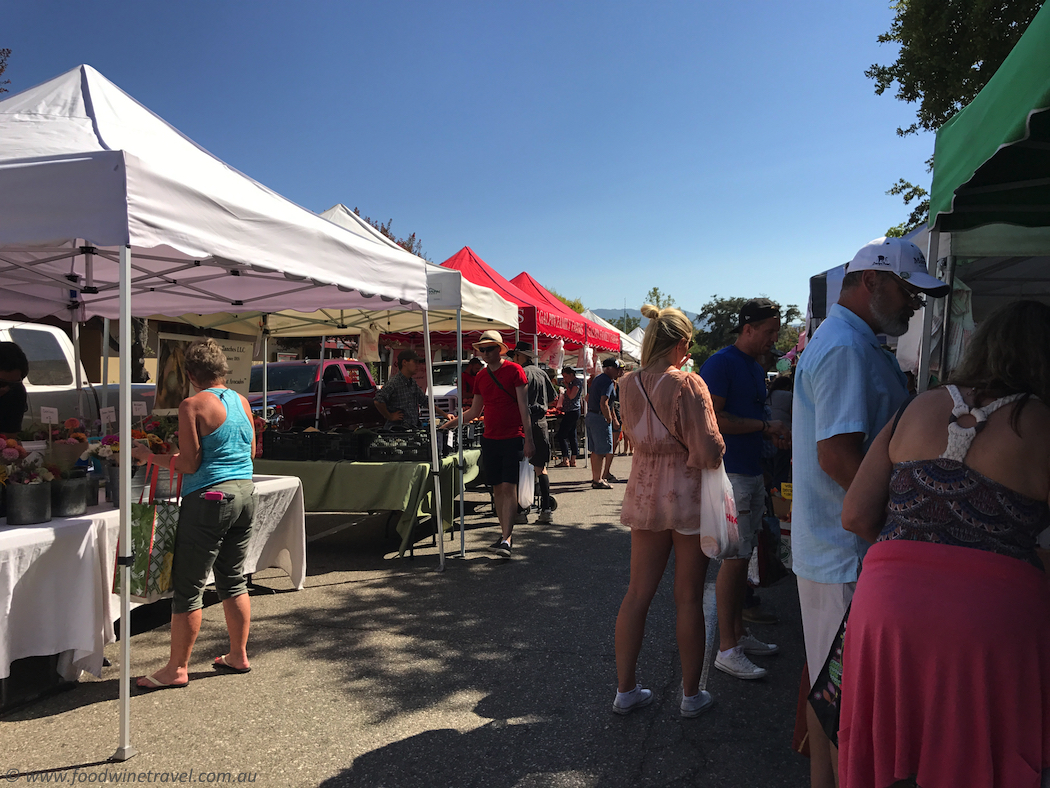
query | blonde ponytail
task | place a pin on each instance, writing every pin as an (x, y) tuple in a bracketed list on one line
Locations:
[(667, 327)]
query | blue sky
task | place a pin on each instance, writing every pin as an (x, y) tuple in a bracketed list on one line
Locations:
[(705, 148)]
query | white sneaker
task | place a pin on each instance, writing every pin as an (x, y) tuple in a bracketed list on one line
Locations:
[(749, 644), (738, 666), (545, 517), (626, 702), (695, 705)]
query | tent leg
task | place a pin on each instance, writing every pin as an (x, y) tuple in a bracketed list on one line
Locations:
[(459, 434), (320, 385), (946, 319), (125, 750), (105, 362), (923, 382), (435, 455), (266, 361)]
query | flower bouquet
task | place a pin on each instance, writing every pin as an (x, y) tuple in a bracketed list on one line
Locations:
[(68, 444), (27, 484)]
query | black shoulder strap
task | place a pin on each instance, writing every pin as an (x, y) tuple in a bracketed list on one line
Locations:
[(646, 393), (900, 412), (496, 381)]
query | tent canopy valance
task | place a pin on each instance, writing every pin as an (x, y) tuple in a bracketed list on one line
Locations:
[(597, 336), (992, 158), (534, 315), (85, 170)]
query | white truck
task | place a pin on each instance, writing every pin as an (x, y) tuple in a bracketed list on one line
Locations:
[(52, 379)]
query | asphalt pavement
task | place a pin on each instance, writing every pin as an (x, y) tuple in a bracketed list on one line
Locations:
[(387, 672)]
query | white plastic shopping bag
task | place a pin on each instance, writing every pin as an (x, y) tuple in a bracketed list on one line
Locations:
[(719, 534), (526, 482)]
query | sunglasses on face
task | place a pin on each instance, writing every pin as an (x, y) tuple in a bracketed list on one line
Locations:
[(487, 348)]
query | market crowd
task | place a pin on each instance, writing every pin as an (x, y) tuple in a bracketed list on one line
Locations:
[(915, 520)]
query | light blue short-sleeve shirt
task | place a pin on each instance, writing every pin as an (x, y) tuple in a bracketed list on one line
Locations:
[(845, 382)]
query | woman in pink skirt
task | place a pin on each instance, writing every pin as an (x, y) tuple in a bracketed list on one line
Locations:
[(668, 415), (946, 662)]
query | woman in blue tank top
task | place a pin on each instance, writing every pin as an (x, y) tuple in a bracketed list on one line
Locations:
[(216, 446)]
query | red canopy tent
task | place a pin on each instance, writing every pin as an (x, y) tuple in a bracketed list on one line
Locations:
[(535, 315), (597, 337)]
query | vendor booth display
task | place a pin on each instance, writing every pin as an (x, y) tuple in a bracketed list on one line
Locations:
[(107, 210), (990, 199)]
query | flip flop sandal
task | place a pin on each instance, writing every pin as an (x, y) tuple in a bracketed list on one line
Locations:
[(220, 663), (155, 685)]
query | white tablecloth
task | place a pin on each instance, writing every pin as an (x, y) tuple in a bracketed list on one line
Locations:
[(56, 578)]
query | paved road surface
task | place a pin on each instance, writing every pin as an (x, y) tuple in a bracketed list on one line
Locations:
[(384, 672)]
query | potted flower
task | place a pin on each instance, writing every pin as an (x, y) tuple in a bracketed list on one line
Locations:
[(70, 491), (108, 451), (27, 485), (68, 444)]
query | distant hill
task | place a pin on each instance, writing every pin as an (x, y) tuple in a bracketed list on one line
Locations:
[(612, 314)]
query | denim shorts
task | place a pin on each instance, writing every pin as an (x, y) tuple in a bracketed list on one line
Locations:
[(750, 495), (212, 538), (599, 434)]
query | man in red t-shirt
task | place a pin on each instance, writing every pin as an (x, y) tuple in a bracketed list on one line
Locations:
[(470, 372), (500, 392)]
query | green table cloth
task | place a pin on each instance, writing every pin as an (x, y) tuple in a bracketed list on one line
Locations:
[(377, 486)]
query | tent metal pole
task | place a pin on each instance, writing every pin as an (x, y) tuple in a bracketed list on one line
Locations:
[(459, 434), (75, 331), (923, 381), (266, 361), (124, 557), (435, 455), (946, 319), (105, 362), (320, 385)]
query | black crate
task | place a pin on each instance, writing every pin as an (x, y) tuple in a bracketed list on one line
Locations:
[(400, 446), (285, 446)]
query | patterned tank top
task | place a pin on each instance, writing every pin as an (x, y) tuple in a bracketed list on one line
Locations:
[(944, 501)]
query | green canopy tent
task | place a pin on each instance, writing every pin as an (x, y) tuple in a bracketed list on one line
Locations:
[(990, 199)]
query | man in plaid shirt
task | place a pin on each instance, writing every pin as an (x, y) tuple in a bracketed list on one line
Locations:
[(400, 400)]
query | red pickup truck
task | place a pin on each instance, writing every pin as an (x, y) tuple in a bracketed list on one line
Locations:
[(347, 395)]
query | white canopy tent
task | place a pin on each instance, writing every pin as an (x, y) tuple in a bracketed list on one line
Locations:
[(107, 210), (628, 345), (453, 304)]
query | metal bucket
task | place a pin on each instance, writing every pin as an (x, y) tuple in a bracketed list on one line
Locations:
[(69, 497), (28, 503)]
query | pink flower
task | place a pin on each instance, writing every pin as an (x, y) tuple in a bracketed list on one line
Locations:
[(10, 454), (71, 423)]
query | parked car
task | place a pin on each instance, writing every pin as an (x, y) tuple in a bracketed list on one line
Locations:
[(446, 387), (52, 380), (347, 396)]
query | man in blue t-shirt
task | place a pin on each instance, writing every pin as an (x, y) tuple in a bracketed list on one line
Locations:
[(601, 422), (738, 394)]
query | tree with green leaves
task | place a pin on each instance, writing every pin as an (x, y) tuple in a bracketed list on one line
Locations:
[(410, 244), (658, 299), (718, 318), (4, 55), (949, 49), (626, 323), (575, 304)]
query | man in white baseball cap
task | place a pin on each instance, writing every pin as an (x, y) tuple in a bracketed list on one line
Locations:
[(847, 387)]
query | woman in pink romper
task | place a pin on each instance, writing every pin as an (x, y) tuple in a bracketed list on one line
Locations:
[(668, 416)]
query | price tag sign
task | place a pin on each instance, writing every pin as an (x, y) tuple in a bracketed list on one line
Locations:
[(139, 409), (108, 415), (785, 491), (49, 415)]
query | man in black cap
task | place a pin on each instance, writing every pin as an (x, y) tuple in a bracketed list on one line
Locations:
[(539, 392), (400, 400), (738, 393)]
